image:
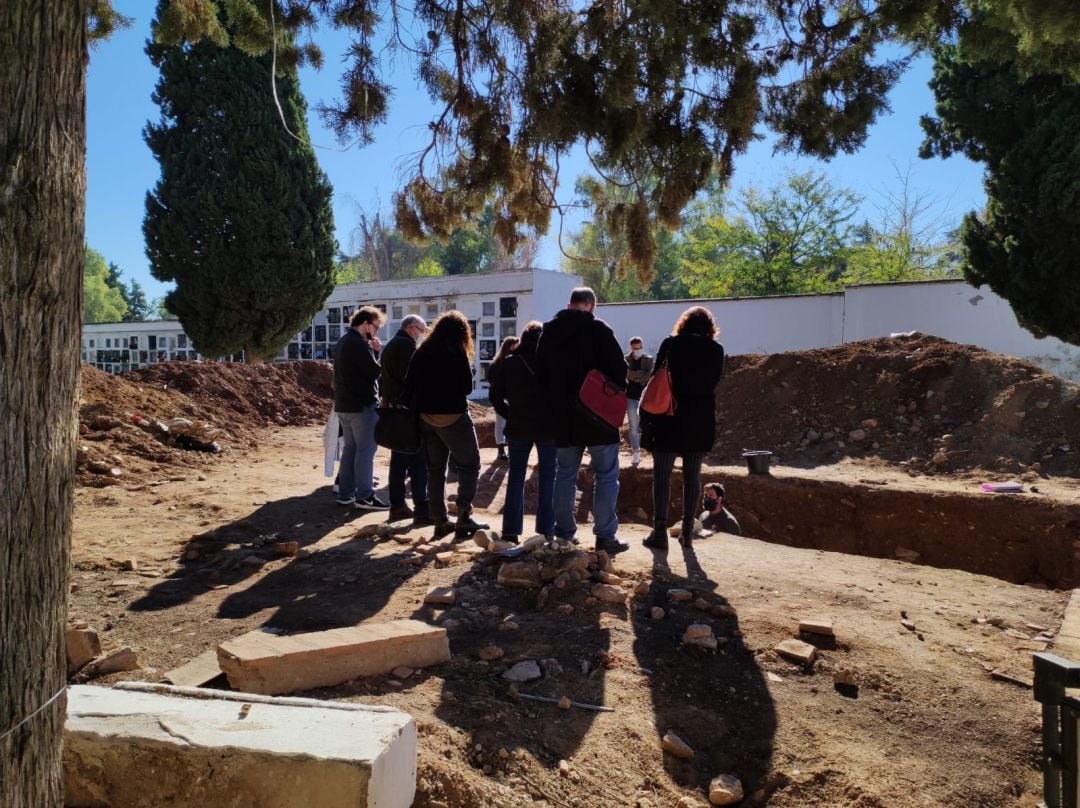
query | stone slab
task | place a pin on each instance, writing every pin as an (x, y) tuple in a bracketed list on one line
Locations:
[(797, 651), (1067, 643), (262, 663), (161, 746), (198, 671)]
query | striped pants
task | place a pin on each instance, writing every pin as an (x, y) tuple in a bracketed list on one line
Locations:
[(663, 464)]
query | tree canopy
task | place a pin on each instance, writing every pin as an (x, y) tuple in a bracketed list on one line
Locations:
[(240, 218), (102, 302), (1012, 102), (663, 89)]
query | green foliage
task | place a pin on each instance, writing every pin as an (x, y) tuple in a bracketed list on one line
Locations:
[(792, 238), (669, 90), (139, 306), (241, 217), (1023, 126), (102, 303)]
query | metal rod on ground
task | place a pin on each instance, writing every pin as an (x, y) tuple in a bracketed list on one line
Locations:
[(583, 706)]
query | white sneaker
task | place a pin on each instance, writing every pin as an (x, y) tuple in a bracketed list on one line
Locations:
[(635, 458)]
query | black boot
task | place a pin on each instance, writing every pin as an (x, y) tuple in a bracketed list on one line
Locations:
[(466, 525), (502, 457), (686, 535), (657, 540), (443, 527)]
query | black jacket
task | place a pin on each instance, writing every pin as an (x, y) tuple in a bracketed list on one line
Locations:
[(573, 343), (356, 373), (696, 364), (438, 382), (395, 363), (516, 395)]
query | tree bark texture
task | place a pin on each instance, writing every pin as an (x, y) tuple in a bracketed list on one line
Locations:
[(43, 51)]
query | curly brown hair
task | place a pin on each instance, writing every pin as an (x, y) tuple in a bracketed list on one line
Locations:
[(696, 320), (450, 332)]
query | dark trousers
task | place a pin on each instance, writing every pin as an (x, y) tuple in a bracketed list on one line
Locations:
[(459, 442), (663, 463), (415, 466), (514, 506)]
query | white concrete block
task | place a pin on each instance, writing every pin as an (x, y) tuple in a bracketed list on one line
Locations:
[(152, 745)]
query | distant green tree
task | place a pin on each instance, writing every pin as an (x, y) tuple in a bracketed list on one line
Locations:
[(911, 239), (139, 307), (241, 217), (102, 303), (1008, 96), (792, 238)]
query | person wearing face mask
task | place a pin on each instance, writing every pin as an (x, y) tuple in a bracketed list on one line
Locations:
[(356, 391), (395, 363), (640, 366), (716, 516)]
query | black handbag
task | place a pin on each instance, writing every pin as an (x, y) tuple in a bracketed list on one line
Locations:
[(398, 429)]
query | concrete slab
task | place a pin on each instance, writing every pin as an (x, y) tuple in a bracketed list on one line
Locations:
[(262, 663), (1067, 642), (159, 745)]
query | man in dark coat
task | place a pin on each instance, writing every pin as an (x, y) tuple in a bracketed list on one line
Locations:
[(356, 392), (573, 343), (395, 362)]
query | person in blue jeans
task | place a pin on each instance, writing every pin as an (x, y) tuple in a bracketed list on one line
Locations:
[(516, 395), (356, 391), (573, 343)]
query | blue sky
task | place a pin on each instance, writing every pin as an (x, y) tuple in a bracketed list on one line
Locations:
[(120, 168)]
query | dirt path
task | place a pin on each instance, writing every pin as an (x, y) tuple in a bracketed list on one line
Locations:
[(926, 727)]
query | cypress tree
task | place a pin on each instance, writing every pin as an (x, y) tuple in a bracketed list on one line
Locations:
[(240, 219)]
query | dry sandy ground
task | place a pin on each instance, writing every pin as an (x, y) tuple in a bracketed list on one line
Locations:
[(927, 725)]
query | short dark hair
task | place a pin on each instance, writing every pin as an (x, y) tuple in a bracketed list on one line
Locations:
[(696, 320), (366, 314), (718, 488), (638, 340), (583, 294)]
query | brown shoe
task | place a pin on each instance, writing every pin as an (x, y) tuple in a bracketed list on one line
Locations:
[(399, 513)]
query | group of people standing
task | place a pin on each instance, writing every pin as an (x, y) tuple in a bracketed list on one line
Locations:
[(535, 387)]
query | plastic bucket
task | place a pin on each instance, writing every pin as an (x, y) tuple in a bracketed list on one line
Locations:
[(757, 462)]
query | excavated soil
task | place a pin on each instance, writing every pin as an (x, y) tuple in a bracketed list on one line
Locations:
[(241, 400), (926, 724), (927, 403)]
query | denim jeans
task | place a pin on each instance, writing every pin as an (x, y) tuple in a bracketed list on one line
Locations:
[(500, 428), (514, 506), (459, 442), (633, 423), (415, 465), (604, 460), (358, 454)]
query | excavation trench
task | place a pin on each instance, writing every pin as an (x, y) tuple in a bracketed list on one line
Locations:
[(1028, 539)]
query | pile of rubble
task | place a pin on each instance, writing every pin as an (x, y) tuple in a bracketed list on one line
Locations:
[(918, 400)]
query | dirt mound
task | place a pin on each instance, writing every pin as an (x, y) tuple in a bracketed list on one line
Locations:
[(282, 393), (241, 400), (918, 400)]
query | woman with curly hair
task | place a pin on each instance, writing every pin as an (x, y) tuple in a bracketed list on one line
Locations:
[(695, 361), (437, 386)]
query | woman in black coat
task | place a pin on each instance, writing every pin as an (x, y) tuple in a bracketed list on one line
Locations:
[(695, 361)]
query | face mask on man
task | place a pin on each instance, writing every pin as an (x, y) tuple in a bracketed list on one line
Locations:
[(710, 503), (636, 353)]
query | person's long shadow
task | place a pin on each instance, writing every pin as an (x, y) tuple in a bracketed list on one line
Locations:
[(488, 485), (717, 702), (229, 554), (333, 588)]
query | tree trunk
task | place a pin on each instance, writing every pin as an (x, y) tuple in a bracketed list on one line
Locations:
[(252, 358), (43, 49)]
